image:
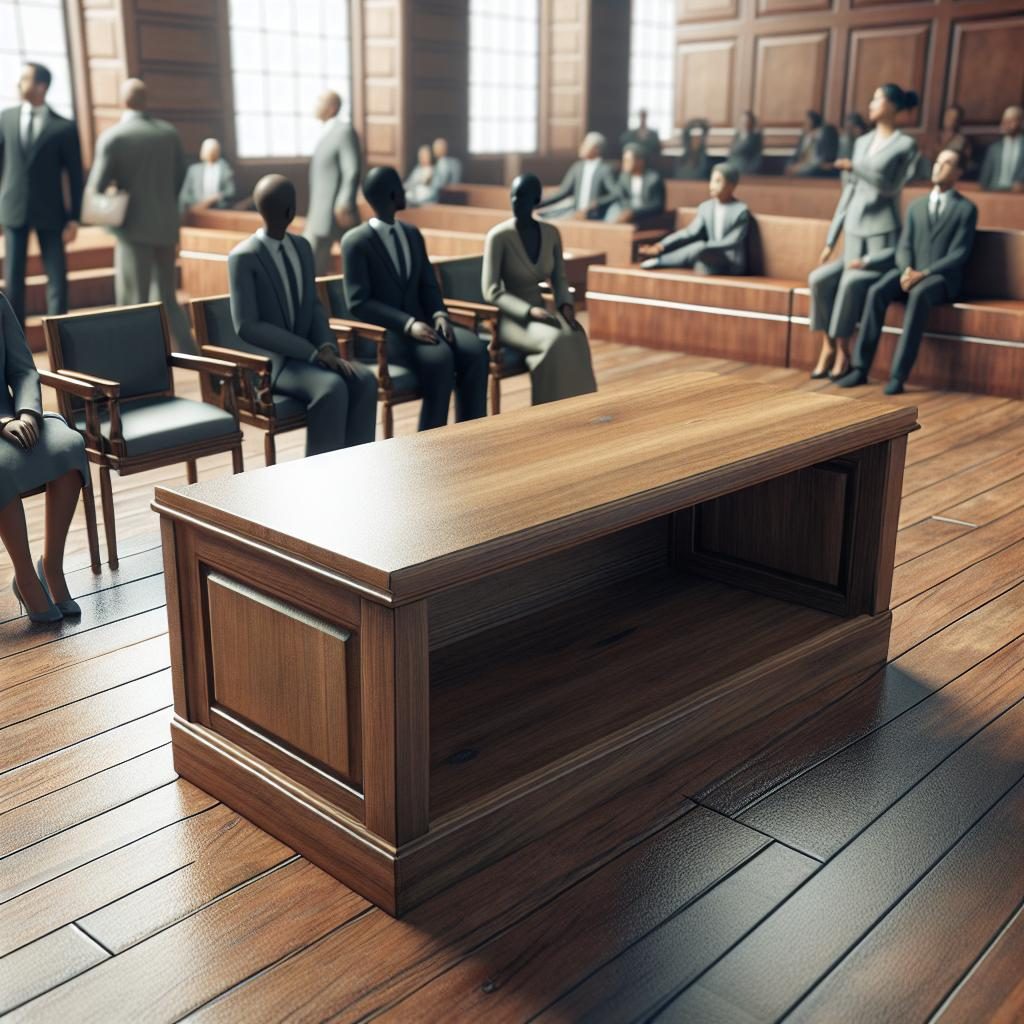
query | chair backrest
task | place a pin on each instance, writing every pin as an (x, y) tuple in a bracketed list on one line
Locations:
[(130, 345), (460, 278), (332, 295), (213, 324)]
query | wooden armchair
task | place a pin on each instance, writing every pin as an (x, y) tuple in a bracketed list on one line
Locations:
[(257, 405), (366, 343), (112, 371), (459, 279)]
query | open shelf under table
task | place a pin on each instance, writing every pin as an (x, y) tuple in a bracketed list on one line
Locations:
[(520, 696)]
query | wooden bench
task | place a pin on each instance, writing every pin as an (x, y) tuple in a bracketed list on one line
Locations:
[(976, 344)]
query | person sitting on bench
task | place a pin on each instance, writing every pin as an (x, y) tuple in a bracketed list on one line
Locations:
[(933, 250), (639, 192), (715, 241)]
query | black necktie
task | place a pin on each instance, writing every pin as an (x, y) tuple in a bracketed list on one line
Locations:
[(30, 135), (403, 271), (293, 285)]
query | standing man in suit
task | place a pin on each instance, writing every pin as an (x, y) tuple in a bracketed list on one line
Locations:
[(447, 168), (389, 281), (639, 193), (143, 156), (334, 173), (715, 241), (1003, 167), (933, 250), (37, 148), (209, 184), (588, 183), (276, 312), (642, 135)]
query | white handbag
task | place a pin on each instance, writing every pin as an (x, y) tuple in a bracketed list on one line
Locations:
[(104, 209)]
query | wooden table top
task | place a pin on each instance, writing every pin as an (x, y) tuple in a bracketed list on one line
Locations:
[(413, 515)]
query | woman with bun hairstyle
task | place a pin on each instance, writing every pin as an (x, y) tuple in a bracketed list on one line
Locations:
[(868, 215)]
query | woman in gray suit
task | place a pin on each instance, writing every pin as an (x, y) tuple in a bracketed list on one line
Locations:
[(868, 215), (35, 450), (518, 255)]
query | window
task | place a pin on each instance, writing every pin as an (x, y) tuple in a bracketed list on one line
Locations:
[(503, 69), (285, 53), (33, 30), (652, 64)]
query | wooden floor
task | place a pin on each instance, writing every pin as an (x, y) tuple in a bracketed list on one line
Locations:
[(854, 855)]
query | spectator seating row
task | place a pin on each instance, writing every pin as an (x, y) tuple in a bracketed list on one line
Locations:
[(975, 344)]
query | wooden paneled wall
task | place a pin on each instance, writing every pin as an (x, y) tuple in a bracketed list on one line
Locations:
[(782, 57)]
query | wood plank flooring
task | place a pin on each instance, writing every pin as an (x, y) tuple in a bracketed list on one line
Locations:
[(853, 854)]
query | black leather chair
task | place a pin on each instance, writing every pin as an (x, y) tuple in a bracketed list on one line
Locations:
[(112, 372)]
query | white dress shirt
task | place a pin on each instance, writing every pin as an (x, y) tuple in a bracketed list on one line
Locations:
[(937, 202), (384, 232), (1011, 156), (279, 252), (28, 115), (636, 189), (587, 182), (211, 180)]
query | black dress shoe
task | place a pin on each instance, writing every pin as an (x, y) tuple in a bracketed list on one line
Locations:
[(852, 379), (894, 387), (820, 375)]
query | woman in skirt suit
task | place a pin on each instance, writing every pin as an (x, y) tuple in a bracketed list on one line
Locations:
[(35, 450)]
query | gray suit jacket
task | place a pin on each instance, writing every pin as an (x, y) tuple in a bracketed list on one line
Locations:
[(942, 248), (19, 381), (511, 280), (334, 173), (993, 163), (143, 156), (652, 194), (32, 187), (192, 189), (745, 152), (870, 201), (447, 171), (603, 184), (259, 305), (733, 243)]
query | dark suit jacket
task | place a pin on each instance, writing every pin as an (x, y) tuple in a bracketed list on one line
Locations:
[(992, 165), (943, 248), (652, 194), (372, 286), (31, 189), (259, 306)]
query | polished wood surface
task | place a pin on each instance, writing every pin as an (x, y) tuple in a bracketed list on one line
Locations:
[(699, 432), (643, 894)]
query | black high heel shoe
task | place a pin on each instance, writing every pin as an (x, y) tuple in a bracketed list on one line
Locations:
[(69, 607), (820, 375)]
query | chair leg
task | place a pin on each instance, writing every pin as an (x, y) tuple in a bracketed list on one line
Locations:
[(495, 394), (107, 499), (91, 529), (236, 459), (389, 420), (192, 471), (269, 449)]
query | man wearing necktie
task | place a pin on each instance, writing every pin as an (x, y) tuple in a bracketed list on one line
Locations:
[(1003, 167), (934, 247), (38, 148), (276, 312), (389, 281)]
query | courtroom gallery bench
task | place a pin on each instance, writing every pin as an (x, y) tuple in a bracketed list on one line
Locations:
[(976, 344)]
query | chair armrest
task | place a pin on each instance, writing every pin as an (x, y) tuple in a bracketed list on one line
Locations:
[(223, 368), (71, 386), (483, 309), (109, 388), (247, 360), (258, 398), (371, 332)]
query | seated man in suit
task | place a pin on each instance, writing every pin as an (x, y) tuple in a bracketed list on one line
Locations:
[(816, 149), (276, 312), (587, 183), (1002, 170), (715, 241), (209, 184), (640, 191), (642, 135), (934, 247), (447, 169), (389, 281)]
